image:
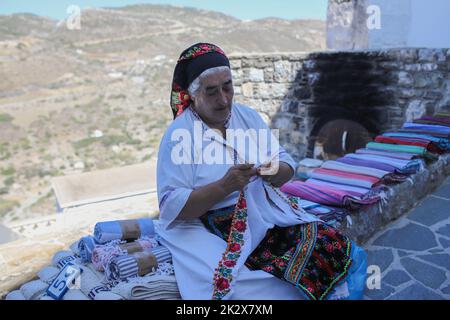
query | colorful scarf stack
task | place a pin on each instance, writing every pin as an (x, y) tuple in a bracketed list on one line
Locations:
[(421, 151), (412, 141), (327, 196), (438, 119), (383, 175), (346, 178)]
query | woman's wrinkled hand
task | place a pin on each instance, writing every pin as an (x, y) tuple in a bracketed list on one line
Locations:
[(238, 177)]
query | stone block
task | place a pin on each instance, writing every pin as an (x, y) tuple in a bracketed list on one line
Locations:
[(401, 238), (405, 79), (253, 75), (428, 275), (282, 71), (247, 89)]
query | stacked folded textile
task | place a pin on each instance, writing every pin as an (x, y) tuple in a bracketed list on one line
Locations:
[(432, 128), (439, 119), (396, 155), (385, 176), (127, 230), (421, 151), (428, 144), (326, 195), (158, 285), (440, 142), (401, 166), (346, 178), (328, 214)]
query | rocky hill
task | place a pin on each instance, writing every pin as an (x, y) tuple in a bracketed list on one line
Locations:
[(80, 100)]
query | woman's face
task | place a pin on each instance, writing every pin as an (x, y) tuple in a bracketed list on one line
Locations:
[(214, 98)]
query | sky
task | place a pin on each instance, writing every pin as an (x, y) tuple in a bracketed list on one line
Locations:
[(242, 9)]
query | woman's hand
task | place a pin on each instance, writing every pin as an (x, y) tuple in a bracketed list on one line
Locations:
[(237, 177), (275, 172), (267, 170)]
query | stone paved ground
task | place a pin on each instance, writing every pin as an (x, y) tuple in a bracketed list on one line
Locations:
[(413, 253)]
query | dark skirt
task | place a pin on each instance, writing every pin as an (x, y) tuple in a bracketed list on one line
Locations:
[(314, 257)]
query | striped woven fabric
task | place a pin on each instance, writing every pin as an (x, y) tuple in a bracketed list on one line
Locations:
[(441, 142), (431, 133), (427, 127), (352, 190), (433, 120), (326, 195), (401, 166), (377, 164), (397, 148), (123, 230), (351, 179), (396, 155), (409, 141), (385, 176), (85, 247), (127, 266)]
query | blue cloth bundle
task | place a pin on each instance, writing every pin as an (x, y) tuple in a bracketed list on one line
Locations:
[(128, 230)]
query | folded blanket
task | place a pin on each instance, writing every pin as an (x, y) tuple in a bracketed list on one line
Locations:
[(90, 283), (327, 195), (47, 274), (136, 264), (427, 127), (85, 247), (61, 258), (385, 176), (15, 295), (396, 155), (46, 297), (150, 288), (401, 166), (444, 115), (441, 142), (158, 285), (347, 178), (34, 290), (436, 120), (92, 286), (352, 190), (418, 142), (328, 214), (426, 132), (397, 148), (102, 254), (128, 230), (365, 160)]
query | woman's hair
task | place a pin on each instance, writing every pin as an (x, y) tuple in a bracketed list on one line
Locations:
[(195, 85)]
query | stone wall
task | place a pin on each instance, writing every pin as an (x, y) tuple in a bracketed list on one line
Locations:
[(299, 93)]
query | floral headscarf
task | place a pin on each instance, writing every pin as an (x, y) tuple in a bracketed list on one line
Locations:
[(191, 63)]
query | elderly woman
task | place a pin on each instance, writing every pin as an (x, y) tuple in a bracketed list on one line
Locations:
[(232, 233)]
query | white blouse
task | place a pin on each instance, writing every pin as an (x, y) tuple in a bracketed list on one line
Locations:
[(175, 180)]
